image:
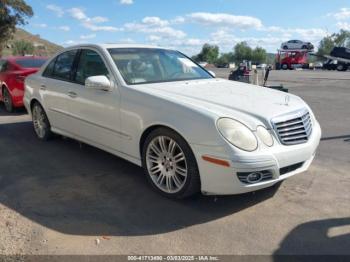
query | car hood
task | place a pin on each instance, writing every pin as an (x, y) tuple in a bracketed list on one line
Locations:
[(230, 99)]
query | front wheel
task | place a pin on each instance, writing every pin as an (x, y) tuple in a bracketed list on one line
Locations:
[(41, 123), (170, 165)]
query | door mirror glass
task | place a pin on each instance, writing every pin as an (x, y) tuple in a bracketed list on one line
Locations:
[(98, 83)]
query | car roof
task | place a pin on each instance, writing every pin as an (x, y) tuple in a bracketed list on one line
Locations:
[(107, 46)]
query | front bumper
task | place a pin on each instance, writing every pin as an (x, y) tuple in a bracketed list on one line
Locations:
[(220, 180)]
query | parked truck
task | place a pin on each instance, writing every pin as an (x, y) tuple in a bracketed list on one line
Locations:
[(291, 59)]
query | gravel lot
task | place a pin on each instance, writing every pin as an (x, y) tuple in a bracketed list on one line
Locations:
[(63, 197)]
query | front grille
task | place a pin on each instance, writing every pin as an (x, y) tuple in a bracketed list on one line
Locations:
[(288, 169), (293, 129), (266, 175)]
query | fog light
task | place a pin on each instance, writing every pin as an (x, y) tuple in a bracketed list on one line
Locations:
[(254, 177)]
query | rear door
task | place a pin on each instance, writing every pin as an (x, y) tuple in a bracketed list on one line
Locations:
[(55, 85), (95, 112)]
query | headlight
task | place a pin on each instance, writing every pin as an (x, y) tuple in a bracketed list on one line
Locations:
[(237, 134), (264, 135)]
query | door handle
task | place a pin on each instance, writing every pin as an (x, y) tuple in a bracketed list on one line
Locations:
[(72, 94), (42, 87)]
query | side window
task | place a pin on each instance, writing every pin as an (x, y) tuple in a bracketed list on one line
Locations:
[(49, 69), (64, 65), (90, 64)]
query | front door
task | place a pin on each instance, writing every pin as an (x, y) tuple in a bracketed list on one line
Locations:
[(95, 113)]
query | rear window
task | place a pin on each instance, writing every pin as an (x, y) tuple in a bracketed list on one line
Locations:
[(30, 63)]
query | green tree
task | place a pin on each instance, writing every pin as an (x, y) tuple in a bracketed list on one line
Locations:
[(259, 55), (195, 58), (337, 39), (22, 48), (225, 58), (209, 53), (242, 51), (342, 38), (12, 13), (326, 46)]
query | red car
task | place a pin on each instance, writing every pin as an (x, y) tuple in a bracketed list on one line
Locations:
[(13, 71)]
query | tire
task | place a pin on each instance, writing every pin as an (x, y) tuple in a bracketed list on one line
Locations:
[(7, 100), (170, 164), (342, 67), (284, 67), (285, 47), (41, 123)]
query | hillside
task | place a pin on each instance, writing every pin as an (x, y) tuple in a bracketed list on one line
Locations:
[(42, 46)]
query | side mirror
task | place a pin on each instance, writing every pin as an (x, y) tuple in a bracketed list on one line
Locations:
[(98, 83), (212, 73)]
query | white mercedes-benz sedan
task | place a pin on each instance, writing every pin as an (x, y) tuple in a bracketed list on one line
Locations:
[(160, 110)]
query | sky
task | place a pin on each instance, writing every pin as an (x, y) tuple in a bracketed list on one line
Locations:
[(187, 24)]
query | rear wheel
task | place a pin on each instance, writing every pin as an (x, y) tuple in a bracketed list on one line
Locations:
[(170, 165), (41, 123), (341, 67), (7, 100), (284, 66)]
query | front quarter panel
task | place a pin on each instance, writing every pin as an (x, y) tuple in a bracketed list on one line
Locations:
[(141, 110)]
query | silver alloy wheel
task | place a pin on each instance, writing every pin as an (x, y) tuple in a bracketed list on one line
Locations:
[(166, 164), (39, 121)]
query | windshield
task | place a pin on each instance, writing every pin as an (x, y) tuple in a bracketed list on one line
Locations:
[(30, 63), (146, 65)]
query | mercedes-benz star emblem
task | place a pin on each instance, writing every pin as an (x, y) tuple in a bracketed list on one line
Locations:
[(286, 100)]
